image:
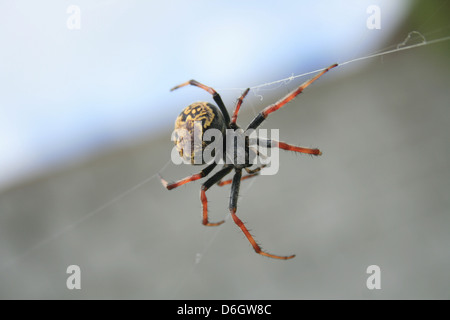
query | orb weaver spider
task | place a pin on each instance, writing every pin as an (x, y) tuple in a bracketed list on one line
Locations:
[(218, 118)]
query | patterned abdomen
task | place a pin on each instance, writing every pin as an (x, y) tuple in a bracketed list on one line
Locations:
[(190, 126)]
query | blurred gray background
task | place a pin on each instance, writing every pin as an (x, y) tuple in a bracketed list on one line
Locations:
[(378, 195)]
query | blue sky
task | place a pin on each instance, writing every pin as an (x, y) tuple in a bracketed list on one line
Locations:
[(68, 94)]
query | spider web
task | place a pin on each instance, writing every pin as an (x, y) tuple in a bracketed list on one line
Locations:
[(412, 41), (413, 36), (402, 46)]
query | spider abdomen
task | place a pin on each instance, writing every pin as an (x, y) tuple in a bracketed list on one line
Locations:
[(190, 127)]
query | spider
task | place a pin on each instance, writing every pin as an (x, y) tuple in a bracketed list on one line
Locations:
[(218, 118)]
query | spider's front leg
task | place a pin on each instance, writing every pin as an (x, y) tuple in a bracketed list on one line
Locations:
[(215, 95), (236, 109), (233, 207), (274, 107)]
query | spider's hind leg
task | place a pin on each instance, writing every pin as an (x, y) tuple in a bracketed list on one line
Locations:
[(233, 207), (251, 173), (208, 184)]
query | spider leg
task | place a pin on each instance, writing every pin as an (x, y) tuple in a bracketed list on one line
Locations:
[(274, 107), (251, 174), (238, 106), (256, 170), (233, 206), (194, 177), (208, 184), (215, 95), (285, 146)]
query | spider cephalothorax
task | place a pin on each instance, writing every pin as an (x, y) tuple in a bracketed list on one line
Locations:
[(198, 117)]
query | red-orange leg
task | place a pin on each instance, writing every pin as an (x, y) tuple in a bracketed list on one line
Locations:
[(238, 106), (194, 177), (289, 147), (224, 183), (251, 174), (215, 95), (233, 205), (274, 107), (285, 146), (252, 241), (210, 182), (205, 220), (197, 84)]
